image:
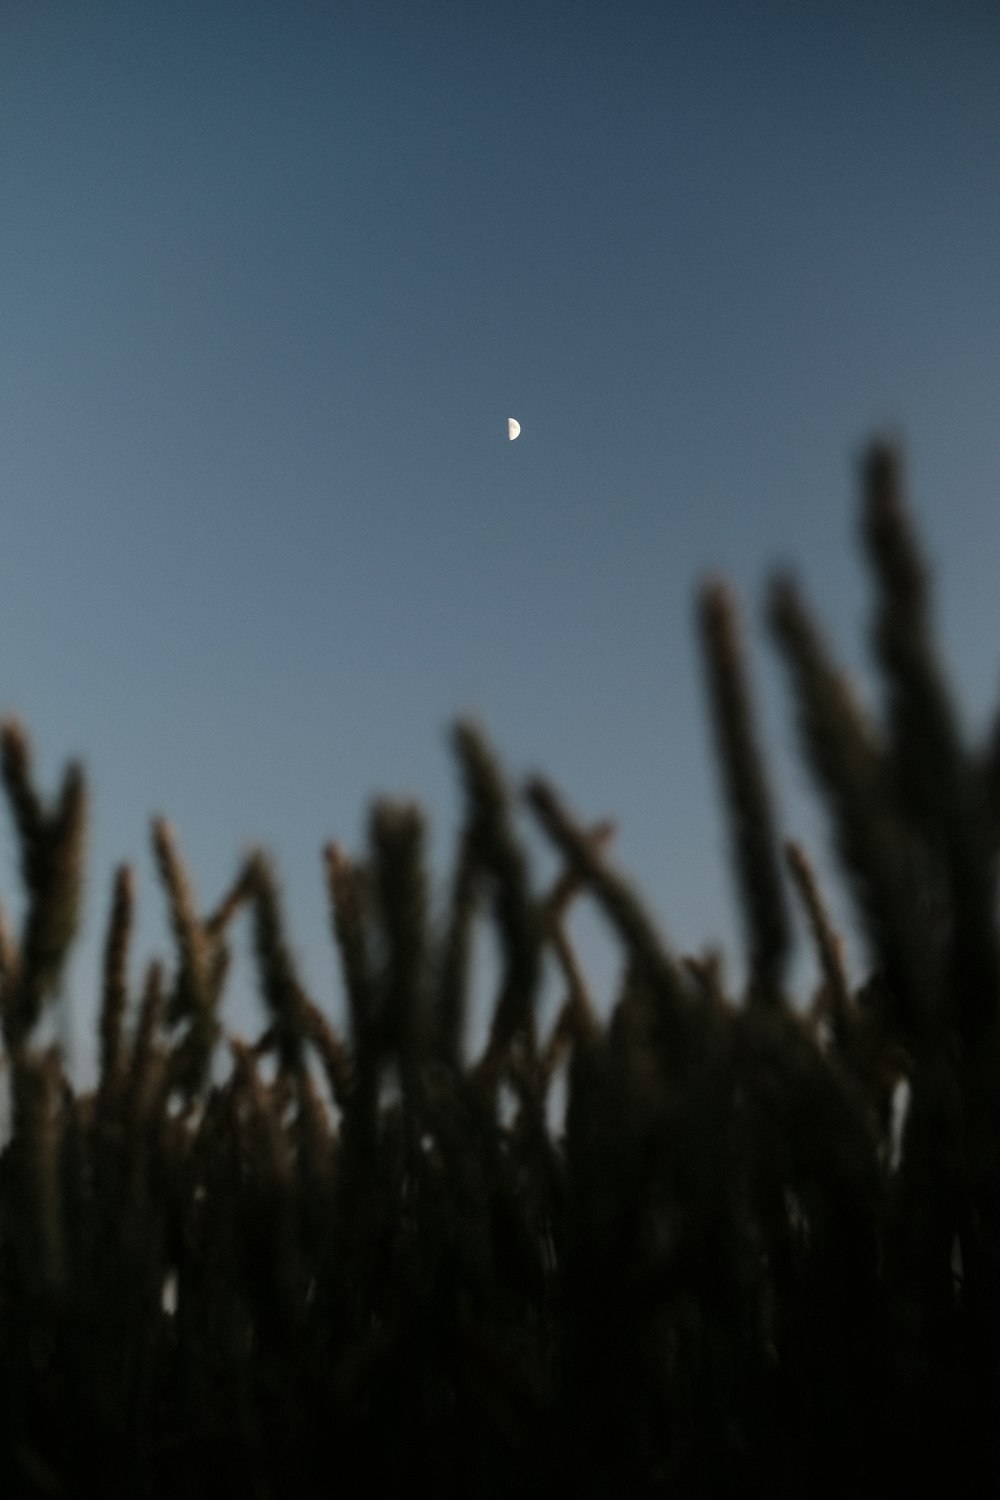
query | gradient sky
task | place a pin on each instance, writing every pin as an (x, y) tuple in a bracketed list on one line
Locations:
[(272, 279)]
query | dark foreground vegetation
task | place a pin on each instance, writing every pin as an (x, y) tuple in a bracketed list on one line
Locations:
[(719, 1275)]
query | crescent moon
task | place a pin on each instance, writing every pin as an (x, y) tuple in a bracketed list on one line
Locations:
[(513, 428)]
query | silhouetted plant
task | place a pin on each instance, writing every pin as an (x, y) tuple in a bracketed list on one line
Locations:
[(371, 1258)]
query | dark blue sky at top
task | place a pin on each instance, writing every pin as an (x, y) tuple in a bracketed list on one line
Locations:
[(272, 279)]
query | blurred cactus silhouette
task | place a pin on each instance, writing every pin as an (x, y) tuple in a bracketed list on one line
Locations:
[(723, 1271)]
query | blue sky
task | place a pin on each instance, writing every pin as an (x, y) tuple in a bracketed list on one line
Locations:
[(272, 279)]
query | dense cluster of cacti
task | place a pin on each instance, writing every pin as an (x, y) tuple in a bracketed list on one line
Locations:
[(722, 1272)]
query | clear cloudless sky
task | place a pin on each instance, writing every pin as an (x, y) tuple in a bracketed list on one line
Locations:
[(273, 276)]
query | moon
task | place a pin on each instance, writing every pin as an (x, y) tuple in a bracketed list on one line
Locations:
[(513, 428)]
